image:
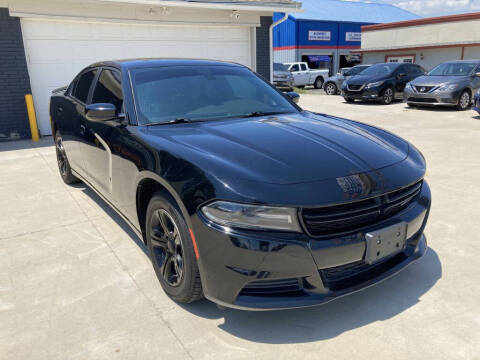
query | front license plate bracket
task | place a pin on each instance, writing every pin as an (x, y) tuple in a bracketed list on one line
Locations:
[(385, 242)]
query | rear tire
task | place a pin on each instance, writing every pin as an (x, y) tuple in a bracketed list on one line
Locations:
[(62, 161), (171, 250), (464, 101), (331, 88), (318, 84)]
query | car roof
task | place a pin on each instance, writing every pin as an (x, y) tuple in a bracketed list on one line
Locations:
[(462, 61), (159, 62)]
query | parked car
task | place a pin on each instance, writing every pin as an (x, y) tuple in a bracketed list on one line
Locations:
[(476, 102), (240, 195), (282, 78), (333, 84), (449, 84), (381, 82), (303, 75)]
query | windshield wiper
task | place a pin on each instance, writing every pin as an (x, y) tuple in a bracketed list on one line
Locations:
[(179, 120), (260, 113)]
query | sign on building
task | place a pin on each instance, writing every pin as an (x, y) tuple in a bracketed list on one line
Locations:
[(317, 35), (353, 36)]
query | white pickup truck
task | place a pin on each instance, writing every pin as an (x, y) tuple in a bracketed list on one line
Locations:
[(303, 75)]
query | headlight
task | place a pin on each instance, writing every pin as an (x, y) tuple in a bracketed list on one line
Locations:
[(447, 87), (375, 84), (252, 216)]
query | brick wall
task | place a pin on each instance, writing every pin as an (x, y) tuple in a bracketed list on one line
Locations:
[(14, 80), (263, 47)]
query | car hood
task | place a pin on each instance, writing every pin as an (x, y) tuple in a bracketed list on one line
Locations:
[(364, 79), (281, 149), (438, 80), (337, 78)]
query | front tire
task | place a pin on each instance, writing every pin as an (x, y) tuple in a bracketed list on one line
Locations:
[(331, 89), (318, 84), (464, 101), (387, 96), (171, 250), (62, 161)]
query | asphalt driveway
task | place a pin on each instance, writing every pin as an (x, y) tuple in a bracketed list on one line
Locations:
[(75, 282)]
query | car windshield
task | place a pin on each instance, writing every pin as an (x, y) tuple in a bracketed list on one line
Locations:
[(279, 67), (380, 69), (355, 71), (166, 94), (453, 69)]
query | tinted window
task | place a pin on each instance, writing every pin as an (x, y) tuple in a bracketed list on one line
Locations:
[(295, 68), (83, 85), (453, 69), (415, 70), (109, 89), (303, 67), (380, 69), (355, 70), (200, 93)]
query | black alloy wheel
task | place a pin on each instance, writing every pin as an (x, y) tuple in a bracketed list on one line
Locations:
[(387, 96), (62, 161), (171, 250)]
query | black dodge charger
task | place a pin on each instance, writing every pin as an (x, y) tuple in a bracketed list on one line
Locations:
[(240, 195)]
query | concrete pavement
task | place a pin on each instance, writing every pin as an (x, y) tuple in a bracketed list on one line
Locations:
[(75, 282)]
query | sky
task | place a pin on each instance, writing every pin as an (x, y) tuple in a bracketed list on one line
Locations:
[(435, 7)]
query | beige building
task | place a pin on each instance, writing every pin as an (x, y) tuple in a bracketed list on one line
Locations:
[(427, 42)]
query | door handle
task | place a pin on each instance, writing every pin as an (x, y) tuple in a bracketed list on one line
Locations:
[(82, 129)]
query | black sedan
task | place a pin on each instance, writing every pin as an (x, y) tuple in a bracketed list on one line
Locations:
[(381, 82), (239, 195)]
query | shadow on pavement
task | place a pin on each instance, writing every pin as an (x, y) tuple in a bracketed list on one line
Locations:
[(377, 303)]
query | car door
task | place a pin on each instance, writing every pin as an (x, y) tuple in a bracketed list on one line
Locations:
[(297, 76), (305, 75), (401, 78), (74, 113), (97, 149), (475, 80)]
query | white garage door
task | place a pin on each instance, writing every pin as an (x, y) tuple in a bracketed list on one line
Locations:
[(57, 50)]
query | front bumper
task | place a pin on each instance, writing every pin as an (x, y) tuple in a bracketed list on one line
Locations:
[(283, 84), (364, 94), (449, 98), (234, 265)]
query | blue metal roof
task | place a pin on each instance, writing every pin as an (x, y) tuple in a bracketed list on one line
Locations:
[(358, 11)]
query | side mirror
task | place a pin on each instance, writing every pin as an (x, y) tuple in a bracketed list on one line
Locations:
[(292, 95), (401, 75), (101, 112)]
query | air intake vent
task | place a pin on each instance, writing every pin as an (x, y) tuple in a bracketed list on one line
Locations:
[(282, 287)]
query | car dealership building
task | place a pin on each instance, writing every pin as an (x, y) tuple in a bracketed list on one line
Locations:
[(427, 42), (327, 33), (44, 44)]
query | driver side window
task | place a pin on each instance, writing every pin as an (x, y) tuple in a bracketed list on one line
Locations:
[(295, 68)]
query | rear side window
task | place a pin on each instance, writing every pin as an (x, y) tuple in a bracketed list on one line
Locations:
[(109, 89), (304, 67), (83, 85)]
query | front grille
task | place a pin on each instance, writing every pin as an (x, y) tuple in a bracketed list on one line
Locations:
[(354, 87), (350, 275), (424, 89), (422, 100), (282, 287), (350, 217)]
